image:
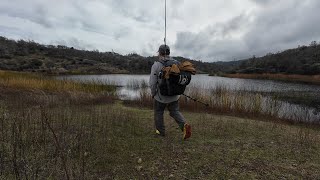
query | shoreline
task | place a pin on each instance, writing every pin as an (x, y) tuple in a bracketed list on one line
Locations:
[(294, 78)]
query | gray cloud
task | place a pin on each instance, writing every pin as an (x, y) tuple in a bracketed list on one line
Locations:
[(121, 33), (273, 28), (73, 42), (207, 30), (215, 42), (284, 27), (15, 33), (264, 2), (37, 15)]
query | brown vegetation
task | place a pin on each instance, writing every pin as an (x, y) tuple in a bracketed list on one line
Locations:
[(48, 134), (314, 79), (30, 81), (240, 103)]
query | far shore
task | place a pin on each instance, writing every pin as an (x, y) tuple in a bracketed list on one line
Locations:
[(308, 79)]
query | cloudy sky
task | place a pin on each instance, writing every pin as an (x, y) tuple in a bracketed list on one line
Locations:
[(208, 30)]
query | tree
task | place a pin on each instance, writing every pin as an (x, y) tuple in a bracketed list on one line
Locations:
[(313, 44)]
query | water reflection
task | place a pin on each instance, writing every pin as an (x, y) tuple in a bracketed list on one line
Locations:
[(125, 93)]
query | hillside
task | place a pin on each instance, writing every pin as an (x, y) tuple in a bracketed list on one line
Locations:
[(34, 57), (304, 60)]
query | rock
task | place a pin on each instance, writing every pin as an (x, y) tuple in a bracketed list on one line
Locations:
[(139, 168), (86, 154)]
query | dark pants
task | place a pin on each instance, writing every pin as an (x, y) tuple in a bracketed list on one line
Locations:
[(173, 108)]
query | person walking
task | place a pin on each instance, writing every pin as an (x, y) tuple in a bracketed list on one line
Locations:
[(161, 101)]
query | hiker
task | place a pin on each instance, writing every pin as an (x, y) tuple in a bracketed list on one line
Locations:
[(161, 101)]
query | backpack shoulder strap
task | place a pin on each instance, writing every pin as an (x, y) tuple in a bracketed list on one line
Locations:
[(163, 63)]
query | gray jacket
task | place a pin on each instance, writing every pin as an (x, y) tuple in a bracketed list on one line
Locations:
[(154, 80)]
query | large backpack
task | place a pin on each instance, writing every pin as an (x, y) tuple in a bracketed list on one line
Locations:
[(175, 83)]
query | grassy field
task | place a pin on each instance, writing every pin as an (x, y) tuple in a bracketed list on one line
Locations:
[(83, 135), (28, 81)]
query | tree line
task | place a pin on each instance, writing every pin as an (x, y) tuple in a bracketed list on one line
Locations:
[(24, 55), (304, 60)]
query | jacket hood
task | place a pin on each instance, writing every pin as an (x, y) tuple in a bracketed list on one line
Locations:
[(163, 59)]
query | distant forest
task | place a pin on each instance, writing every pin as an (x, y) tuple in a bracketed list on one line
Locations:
[(304, 60), (30, 56)]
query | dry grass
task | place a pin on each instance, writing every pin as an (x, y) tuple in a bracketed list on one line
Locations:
[(62, 140), (315, 79), (49, 135), (240, 103), (28, 81)]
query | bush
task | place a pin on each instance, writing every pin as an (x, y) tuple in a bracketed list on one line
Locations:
[(35, 63)]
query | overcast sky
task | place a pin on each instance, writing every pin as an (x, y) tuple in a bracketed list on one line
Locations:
[(208, 30)]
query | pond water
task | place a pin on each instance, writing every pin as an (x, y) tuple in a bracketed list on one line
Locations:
[(129, 87)]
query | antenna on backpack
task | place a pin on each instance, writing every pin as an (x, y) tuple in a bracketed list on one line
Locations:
[(165, 22)]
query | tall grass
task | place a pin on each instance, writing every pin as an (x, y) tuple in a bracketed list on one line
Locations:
[(244, 103), (137, 84), (252, 104), (30, 81), (53, 139), (66, 142), (314, 79)]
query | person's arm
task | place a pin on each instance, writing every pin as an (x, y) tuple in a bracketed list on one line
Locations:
[(154, 78)]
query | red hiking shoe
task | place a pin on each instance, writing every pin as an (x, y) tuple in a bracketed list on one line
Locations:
[(186, 131)]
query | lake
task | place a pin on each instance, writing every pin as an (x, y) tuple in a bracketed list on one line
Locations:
[(129, 87)]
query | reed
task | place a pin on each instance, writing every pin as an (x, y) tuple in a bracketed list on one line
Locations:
[(30, 81), (314, 79), (137, 84), (243, 103)]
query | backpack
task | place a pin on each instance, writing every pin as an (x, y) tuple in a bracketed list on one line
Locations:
[(174, 83)]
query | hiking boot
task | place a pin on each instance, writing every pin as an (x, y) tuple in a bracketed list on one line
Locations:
[(186, 131), (159, 133)]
